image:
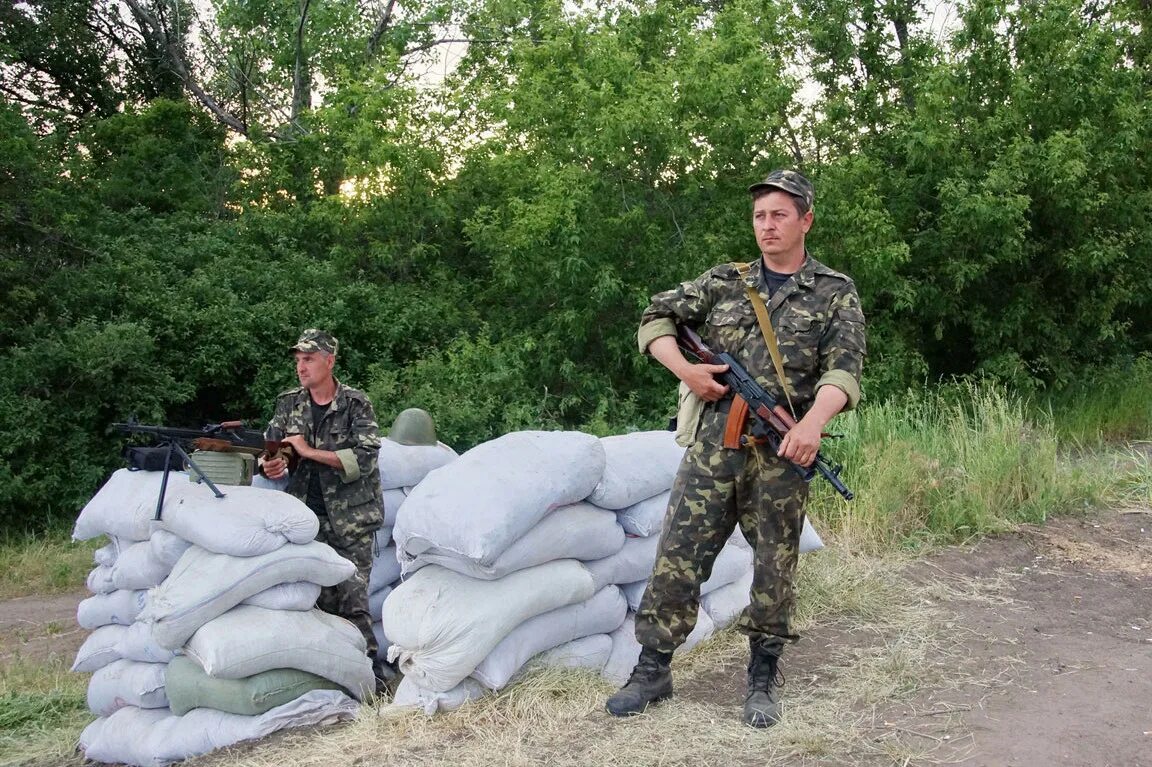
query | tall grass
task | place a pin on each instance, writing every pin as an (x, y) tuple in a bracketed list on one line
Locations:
[(1111, 405), (946, 465), (43, 565)]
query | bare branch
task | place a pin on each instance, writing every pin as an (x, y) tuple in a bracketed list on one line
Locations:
[(381, 27)]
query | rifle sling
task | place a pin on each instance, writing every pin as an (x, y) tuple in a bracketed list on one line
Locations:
[(765, 323)]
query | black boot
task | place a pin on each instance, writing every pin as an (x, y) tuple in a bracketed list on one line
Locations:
[(651, 681), (762, 706)]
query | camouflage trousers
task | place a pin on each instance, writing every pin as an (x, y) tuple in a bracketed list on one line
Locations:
[(715, 490), (349, 599)]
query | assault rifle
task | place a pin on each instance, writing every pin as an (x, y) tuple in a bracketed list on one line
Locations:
[(229, 436), (772, 420)]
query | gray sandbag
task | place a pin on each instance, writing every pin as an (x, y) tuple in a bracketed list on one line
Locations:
[(393, 500), (123, 506), (376, 602), (300, 595), (406, 465), (645, 517), (120, 607), (411, 695), (478, 505), (99, 580), (99, 649), (167, 547), (246, 522), (204, 585), (138, 568), (634, 562), (725, 604), (127, 683), (137, 643), (590, 652), (638, 465), (188, 687), (385, 568)]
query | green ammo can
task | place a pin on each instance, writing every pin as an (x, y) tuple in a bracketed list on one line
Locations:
[(223, 468)]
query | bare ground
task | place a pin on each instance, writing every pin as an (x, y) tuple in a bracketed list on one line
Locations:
[(1049, 660)]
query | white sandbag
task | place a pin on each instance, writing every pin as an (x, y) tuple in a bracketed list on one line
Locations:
[(106, 554), (405, 465), (127, 683), (301, 595), (637, 466), (726, 603), (633, 592), (385, 569), (138, 644), (634, 562), (478, 505), (262, 482), (731, 563), (246, 522), (591, 652), (248, 640), (123, 506), (204, 585), (137, 568), (645, 517), (155, 738), (601, 614), (443, 624), (99, 580), (120, 607), (578, 531), (809, 538), (382, 641), (393, 499), (409, 694), (626, 650), (167, 547), (99, 649), (376, 602)]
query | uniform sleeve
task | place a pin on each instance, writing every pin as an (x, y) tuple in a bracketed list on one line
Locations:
[(843, 346), (688, 303), (277, 426), (358, 460)]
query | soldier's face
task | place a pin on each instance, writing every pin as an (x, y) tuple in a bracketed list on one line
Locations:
[(313, 368), (778, 227)]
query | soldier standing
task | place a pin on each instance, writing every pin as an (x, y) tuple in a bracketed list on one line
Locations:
[(723, 481), (333, 431)]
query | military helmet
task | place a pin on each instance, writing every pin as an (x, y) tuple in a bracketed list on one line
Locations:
[(413, 427)]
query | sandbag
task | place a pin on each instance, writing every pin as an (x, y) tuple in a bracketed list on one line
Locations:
[(246, 522), (385, 569), (809, 538), (262, 482), (120, 607), (637, 466), (633, 592), (376, 602), (393, 499), (137, 643), (411, 695), (301, 595), (731, 563), (725, 604), (382, 641), (106, 554), (443, 624), (189, 687), (99, 580), (127, 683), (99, 649), (167, 547), (634, 562), (591, 652), (645, 517), (626, 650), (601, 614), (138, 568), (406, 465), (204, 585), (478, 505), (249, 640), (154, 738), (123, 506), (578, 531)]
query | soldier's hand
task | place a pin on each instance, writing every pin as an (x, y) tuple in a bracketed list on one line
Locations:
[(275, 468), (300, 445), (700, 379), (801, 443)]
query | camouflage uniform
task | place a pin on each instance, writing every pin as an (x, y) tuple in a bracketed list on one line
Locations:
[(820, 331), (353, 499)]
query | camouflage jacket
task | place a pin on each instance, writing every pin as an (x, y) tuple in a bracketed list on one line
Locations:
[(816, 316), (352, 494)]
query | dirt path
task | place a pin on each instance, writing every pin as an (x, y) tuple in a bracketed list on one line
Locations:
[(1051, 664)]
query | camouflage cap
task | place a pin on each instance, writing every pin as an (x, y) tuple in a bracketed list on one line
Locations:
[(788, 181), (314, 340)]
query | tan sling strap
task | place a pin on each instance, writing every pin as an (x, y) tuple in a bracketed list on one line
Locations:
[(765, 322)]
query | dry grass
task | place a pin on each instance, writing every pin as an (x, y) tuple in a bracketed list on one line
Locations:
[(898, 644)]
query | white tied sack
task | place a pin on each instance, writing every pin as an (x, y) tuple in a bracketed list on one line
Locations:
[(726, 603), (385, 569), (138, 568), (376, 602), (406, 465), (591, 652), (99, 649), (167, 547), (155, 738), (411, 695), (603, 613), (626, 650), (106, 555), (637, 466), (120, 607), (248, 640), (301, 595), (732, 563), (577, 531), (634, 562), (204, 585), (442, 624), (478, 505), (393, 500), (246, 522), (382, 641), (645, 517), (137, 643), (124, 506), (100, 580), (127, 683)]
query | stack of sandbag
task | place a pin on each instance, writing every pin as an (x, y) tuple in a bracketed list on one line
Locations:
[(204, 631), (402, 467)]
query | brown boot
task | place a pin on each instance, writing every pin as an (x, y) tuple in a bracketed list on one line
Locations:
[(651, 681), (762, 706)]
